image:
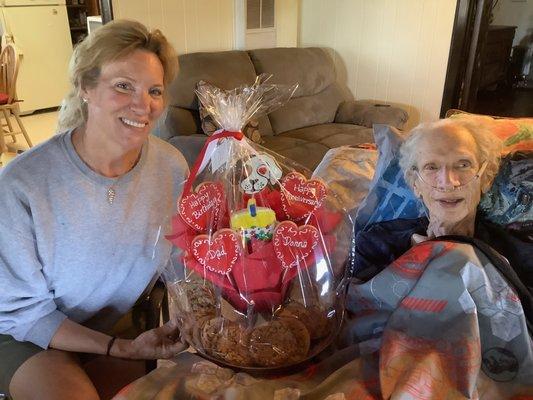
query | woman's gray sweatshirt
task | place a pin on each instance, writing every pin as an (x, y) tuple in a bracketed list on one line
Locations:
[(65, 251)]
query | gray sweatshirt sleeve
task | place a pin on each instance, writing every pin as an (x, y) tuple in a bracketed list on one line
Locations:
[(27, 308)]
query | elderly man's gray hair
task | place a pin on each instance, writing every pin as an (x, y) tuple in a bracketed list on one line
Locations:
[(489, 146)]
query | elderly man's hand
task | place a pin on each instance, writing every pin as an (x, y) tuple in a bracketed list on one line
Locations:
[(438, 227), (162, 342)]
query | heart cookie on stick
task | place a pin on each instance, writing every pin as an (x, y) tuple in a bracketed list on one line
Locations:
[(293, 243), (300, 196), (218, 253), (202, 208)]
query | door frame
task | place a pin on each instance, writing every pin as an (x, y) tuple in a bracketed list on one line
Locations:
[(106, 7), (239, 24), (468, 39)]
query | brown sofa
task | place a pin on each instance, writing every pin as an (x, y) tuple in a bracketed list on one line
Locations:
[(318, 117)]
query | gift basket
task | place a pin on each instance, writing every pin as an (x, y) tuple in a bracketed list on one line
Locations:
[(257, 275)]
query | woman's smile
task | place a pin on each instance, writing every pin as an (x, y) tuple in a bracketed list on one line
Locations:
[(133, 123)]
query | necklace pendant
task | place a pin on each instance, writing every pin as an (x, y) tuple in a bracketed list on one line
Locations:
[(111, 195)]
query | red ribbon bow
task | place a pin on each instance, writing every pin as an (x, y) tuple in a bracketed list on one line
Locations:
[(198, 162)]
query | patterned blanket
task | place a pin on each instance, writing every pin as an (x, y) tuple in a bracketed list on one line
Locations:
[(439, 323)]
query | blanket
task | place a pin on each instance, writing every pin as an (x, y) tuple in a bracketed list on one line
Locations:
[(440, 322)]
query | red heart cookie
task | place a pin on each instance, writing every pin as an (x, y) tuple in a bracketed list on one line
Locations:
[(292, 244), (218, 253), (299, 196), (202, 207)]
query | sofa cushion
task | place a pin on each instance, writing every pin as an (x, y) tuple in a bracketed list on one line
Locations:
[(318, 96), (295, 149), (307, 110), (312, 68), (307, 154), (226, 69), (367, 113), (179, 121), (308, 145), (333, 135)]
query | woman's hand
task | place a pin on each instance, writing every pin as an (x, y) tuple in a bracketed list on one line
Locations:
[(162, 342)]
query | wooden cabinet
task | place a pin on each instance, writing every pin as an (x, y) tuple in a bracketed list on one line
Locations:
[(78, 10), (77, 19), (496, 56)]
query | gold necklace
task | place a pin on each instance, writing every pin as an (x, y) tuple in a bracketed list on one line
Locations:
[(84, 155), (111, 193)]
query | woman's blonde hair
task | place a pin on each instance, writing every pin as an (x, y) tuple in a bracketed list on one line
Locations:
[(111, 42), (489, 146)]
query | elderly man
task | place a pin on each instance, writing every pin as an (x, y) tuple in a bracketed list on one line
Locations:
[(449, 164)]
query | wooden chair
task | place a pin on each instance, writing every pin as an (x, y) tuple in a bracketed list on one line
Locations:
[(8, 98)]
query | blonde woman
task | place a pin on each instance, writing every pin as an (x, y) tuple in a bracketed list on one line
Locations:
[(77, 246)]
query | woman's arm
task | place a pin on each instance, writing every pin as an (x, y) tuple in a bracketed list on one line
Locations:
[(28, 309), (156, 343), (71, 336)]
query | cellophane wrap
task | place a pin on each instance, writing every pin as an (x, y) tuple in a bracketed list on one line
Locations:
[(257, 273)]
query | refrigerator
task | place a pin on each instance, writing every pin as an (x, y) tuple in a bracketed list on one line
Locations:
[(40, 32)]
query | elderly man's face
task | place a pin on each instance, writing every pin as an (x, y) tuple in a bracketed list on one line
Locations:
[(447, 160)]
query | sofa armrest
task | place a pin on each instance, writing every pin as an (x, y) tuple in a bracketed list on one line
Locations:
[(367, 113)]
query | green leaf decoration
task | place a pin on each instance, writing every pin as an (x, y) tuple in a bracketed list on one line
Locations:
[(525, 132)]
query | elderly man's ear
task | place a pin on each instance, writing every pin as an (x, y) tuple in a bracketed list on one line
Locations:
[(485, 184), (417, 192)]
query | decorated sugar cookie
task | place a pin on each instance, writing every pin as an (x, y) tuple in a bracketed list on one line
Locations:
[(200, 208)]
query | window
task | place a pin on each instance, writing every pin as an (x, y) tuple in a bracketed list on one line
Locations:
[(260, 24), (259, 14)]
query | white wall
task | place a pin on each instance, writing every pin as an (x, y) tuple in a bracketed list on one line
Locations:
[(190, 25), (388, 50), (515, 13), (204, 25), (287, 18)]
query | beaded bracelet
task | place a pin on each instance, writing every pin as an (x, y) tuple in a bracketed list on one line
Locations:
[(110, 344)]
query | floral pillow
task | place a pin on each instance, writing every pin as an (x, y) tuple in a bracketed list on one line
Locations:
[(510, 199), (516, 133)]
